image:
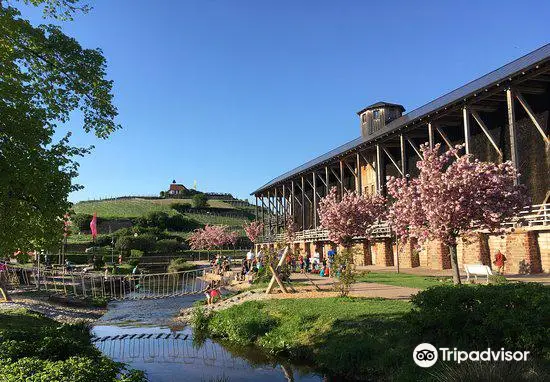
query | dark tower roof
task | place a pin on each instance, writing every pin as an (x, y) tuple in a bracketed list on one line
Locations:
[(379, 105)]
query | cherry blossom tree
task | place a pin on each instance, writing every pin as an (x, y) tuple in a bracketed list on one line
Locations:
[(253, 230), (353, 215), (212, 237), (452, 198)]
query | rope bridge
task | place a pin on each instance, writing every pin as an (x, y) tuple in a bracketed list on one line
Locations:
[(166, 348), (117, 287)]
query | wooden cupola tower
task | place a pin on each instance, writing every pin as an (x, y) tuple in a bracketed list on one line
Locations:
[(376, 116)]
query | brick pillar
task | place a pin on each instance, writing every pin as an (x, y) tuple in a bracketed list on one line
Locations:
[(473, 249), (543, 240), (367, 253), (408, 255), (522, 253), (384, 253), (438, 255)]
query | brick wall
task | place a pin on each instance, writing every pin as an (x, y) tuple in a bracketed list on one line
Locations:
[(408, 255), (543, 239), (473, 249), (383, 253), (437, 255), (522, 253)]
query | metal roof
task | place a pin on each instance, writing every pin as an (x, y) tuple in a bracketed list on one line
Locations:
[(490, 79), (378, 105)]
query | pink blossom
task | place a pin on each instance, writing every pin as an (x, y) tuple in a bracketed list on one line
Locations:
[(253, 230), (211, 237), (451, 198), (351, 216)]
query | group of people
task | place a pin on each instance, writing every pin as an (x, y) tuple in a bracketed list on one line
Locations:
[(220, 264)]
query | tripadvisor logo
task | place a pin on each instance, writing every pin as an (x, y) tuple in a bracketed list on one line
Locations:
[(426, 355)]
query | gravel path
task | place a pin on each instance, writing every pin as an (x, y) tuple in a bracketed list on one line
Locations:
[(58, 312)]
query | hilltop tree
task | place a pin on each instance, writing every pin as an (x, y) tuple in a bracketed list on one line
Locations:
[(353, 215), (45, 76), (200, 201), (450, 199)]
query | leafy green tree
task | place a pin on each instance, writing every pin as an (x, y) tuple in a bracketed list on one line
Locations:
[(200, 201), (45, 76)]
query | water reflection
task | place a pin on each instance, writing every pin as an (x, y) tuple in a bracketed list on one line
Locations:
[(173, 354)]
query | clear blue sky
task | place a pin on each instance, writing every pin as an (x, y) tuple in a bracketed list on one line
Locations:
[(234, 93)]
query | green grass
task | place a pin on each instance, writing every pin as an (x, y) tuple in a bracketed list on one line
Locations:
[(36, 348), (340, 336), (404, 280), (132, 208)]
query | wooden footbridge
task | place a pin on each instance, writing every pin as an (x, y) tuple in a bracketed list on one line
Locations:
[(117, 287)]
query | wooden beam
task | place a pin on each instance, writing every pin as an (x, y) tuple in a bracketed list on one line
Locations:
[(285, 206), (403, 155), (512, 129), (379, 171), (358, 165), (533, 117), (466, 117), (293, 201), (279, 265), (335, 175), (430, 138), (327, 177), (393, 161), (314, 200), (486, 131), (415, 148), (303, 206), (351, 169), (341, 178), (276, 212), (446, 139)]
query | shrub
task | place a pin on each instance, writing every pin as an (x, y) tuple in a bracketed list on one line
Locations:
[(156, 219), (343, 264), (179, 265), (512, 316), (199, 319), (181, 223), (498, 279), (168, 246), (81, 221), (200, 201), (144, 243), (180, 207)]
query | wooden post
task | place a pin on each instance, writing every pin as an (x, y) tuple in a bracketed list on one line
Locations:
[(276, 205), (270, 213), (379, 169), (466, 117), (256, 211), (532, 116), (303, 206), (327, 177), (285, 205), (431, 135), (404, 168), (276, 277), (358, 179), (514, 156), (293, 201), (314, 200), (341, 178), (273, 279)]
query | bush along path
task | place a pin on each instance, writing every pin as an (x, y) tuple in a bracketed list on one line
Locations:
[(374, 339), (36, 348)]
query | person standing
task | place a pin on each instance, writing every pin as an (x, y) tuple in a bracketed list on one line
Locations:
[(500, 261), (249, 258)]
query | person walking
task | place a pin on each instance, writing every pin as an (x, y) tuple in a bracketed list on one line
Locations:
[(499, 262)]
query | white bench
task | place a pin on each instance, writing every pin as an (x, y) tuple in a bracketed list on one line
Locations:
[(477, 270)]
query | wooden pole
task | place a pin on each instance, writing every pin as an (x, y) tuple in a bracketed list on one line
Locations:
[(327, 177), (512, 129), (358, 179), (273, 278), (403, 155), (314, 200), (431, 135), (466, 117), (341, 178), (303, 206)]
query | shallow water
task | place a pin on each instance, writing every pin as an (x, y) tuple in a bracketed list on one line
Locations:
[(167, 353)]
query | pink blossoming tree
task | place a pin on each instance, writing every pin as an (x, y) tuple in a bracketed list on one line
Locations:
[(452, 198), (212, 237), (253, 230), (353, 215)]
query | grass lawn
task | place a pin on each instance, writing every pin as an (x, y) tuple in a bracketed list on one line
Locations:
[(341, 336), (404, 280), (131, 208)]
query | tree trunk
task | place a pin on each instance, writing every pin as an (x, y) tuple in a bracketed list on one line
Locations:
[(4, 289), (454, 265)]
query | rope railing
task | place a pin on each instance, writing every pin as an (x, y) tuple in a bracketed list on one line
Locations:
[(117, 287)]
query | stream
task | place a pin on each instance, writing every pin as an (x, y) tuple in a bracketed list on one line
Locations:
[(146, 339)]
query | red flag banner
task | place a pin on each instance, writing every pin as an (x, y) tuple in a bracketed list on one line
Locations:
[(93, 226)]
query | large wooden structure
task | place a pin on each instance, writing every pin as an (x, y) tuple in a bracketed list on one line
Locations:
[(500, 116)]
